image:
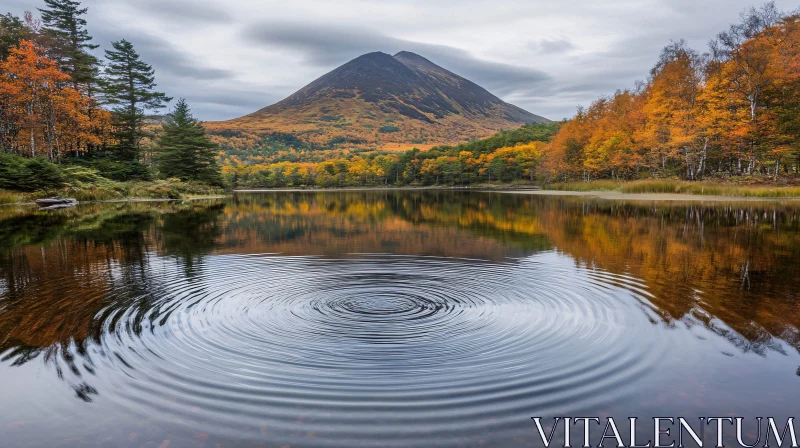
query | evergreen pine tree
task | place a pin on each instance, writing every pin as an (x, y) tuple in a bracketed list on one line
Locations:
[(129, 86), (63, 20), (185, 150), (12, 30)]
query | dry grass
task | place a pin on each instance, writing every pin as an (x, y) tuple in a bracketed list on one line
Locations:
[(161, 189), (681, 187), (170, 189), (11, 197), (595, 185)]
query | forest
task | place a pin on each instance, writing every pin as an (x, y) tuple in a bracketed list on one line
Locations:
[(71, 121), (75, 124), (731, 112), (508, 156)]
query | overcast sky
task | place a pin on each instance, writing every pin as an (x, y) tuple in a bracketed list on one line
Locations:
[(232, 57)]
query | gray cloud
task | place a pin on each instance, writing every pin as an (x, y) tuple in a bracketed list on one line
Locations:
[(211, 92), (555, 45), (232, 57), (164, 56), (221, 101), (17, 6), (238, 97), (328, 46), (320, 44), (180, 10)]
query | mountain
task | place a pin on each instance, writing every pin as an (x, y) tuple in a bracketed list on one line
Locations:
[(383, 100)]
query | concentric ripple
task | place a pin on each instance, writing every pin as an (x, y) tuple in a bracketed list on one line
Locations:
[(375, 349)]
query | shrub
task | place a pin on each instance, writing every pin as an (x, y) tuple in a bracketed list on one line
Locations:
[(23, 174), (83, 176), (112, 167), (388, 129)]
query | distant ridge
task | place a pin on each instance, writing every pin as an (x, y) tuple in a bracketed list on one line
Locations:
[(377, 98)]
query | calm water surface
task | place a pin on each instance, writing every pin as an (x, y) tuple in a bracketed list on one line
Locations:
[(418, 319)]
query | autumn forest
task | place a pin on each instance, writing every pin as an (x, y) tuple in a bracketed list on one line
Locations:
[(71, 120), (729, 112)]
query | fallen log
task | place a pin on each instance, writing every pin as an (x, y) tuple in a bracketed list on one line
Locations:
[(56, 201)]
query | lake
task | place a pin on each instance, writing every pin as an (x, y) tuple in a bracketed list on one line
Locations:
[(389, 318)]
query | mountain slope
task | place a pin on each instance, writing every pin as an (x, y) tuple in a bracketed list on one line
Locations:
[(378, 99)]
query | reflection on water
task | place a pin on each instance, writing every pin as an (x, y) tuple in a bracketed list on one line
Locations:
[(389, 318)]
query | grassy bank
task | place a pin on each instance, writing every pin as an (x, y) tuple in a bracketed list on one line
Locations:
[(175, 189), (682, 187), (160, 189), (27, 179)]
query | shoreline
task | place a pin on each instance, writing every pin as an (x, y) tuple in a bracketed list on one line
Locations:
[(318, 190), (666, 197), (123, 200), (527, 190), (597, 194)]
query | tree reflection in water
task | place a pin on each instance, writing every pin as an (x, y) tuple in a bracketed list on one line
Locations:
[(69, 276)]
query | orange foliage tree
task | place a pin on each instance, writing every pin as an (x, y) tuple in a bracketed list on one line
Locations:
[(40, 113), (735, 111), (672, 129)]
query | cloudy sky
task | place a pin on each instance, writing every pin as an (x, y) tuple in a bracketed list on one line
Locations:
[(232, 57)]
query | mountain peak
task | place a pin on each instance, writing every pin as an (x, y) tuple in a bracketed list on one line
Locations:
[(406, 94), (414, 60), (410, 56), (373, 56)]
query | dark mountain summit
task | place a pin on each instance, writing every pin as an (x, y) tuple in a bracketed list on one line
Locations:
[(471, 96), (377, 94)]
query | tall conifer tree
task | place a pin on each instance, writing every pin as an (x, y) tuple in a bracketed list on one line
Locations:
[(185, 150), (63, 20), (12, 30), (129, 86)]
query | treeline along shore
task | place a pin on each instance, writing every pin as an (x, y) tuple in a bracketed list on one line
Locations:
[(722, 121)]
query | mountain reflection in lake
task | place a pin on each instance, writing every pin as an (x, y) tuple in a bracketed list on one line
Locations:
[(388, 318)]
